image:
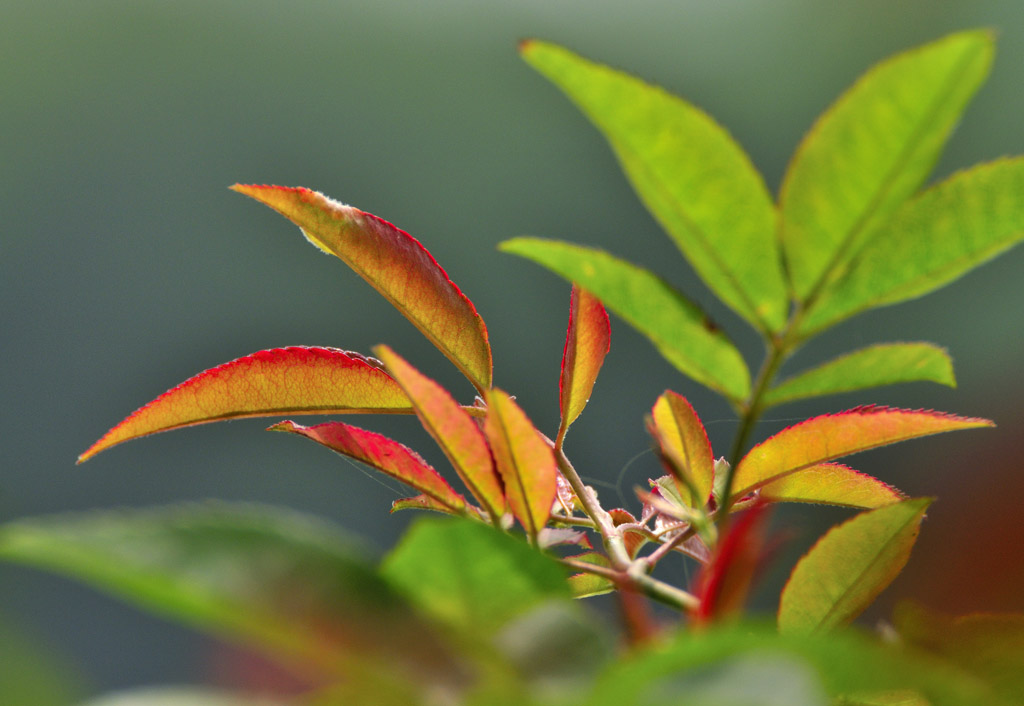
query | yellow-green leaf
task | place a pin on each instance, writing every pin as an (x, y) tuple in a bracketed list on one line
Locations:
[(832, 436), (683, 437), (524, 459), (931, 241), (690, 173), (846, 570), (396, 265), (273, 382), (678, 328), (831, 484), (883, 364), (871, 150), (452, 428)]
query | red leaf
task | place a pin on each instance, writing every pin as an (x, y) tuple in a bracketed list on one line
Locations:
[(453, 429), (420, 502), (524, 459), (587, 341), (272, 382), (396, 265), (384, 454), (834, 435)]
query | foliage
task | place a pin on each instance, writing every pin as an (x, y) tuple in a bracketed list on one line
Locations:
[(466, 611)]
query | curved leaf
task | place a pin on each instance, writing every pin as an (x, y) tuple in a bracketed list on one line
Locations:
[(524, 460), (384, 454), (874, 366), (294, 380), (832, 436), (831, 484), (679, 330), (934, 239), (396, 265), (690, 174), (421, 502), (846, 570), (587, 341), (181, 696), (683, 437), (287, 583), (453, 429), (871, 150)]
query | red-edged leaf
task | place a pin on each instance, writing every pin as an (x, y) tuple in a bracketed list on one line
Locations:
[(723, 583), (384, 454), (633, 539), (524, 459), (587, 341), (453, 429), (831, 436), (831, 484), (846, 570), (396, 265), (420, 502), (682, 437), (292, 380)]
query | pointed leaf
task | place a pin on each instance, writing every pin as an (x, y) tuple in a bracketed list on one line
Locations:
[(846, 570), (871, 150), (524, 459), (285, 582), (683, 436), (453, 429), (470, 575), (679, 330), (587, 341), (585, 584), (934, 239), (384, 454), (396, 265), (690, 174), (832, 436), (831, 484), (883, 364), (724, 583), (293, 380)]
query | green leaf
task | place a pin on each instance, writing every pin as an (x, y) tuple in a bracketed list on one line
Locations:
[(33, 674), (871, 150), (679, 330), (845, 661), (931, 241), (268, 577), (874, 366), (846, 570), (690, 174), (470, 575)]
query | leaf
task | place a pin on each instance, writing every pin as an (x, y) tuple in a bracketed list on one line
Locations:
[(396, 265), (584, 584), (384, 454), (847, 568), (692, 662), (871, 150), (989, 645), (453, 429), (472, 576), (832, 436), (524, 460), (33, 673), (421, 502), (690, 174), (268, 577), (830, 484), (883, 364), (293, 380), (682, 436), (724, 583), (587, 341), (934, 239), (679, 330)]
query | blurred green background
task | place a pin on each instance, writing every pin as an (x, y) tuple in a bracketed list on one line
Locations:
[(126, 265)]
